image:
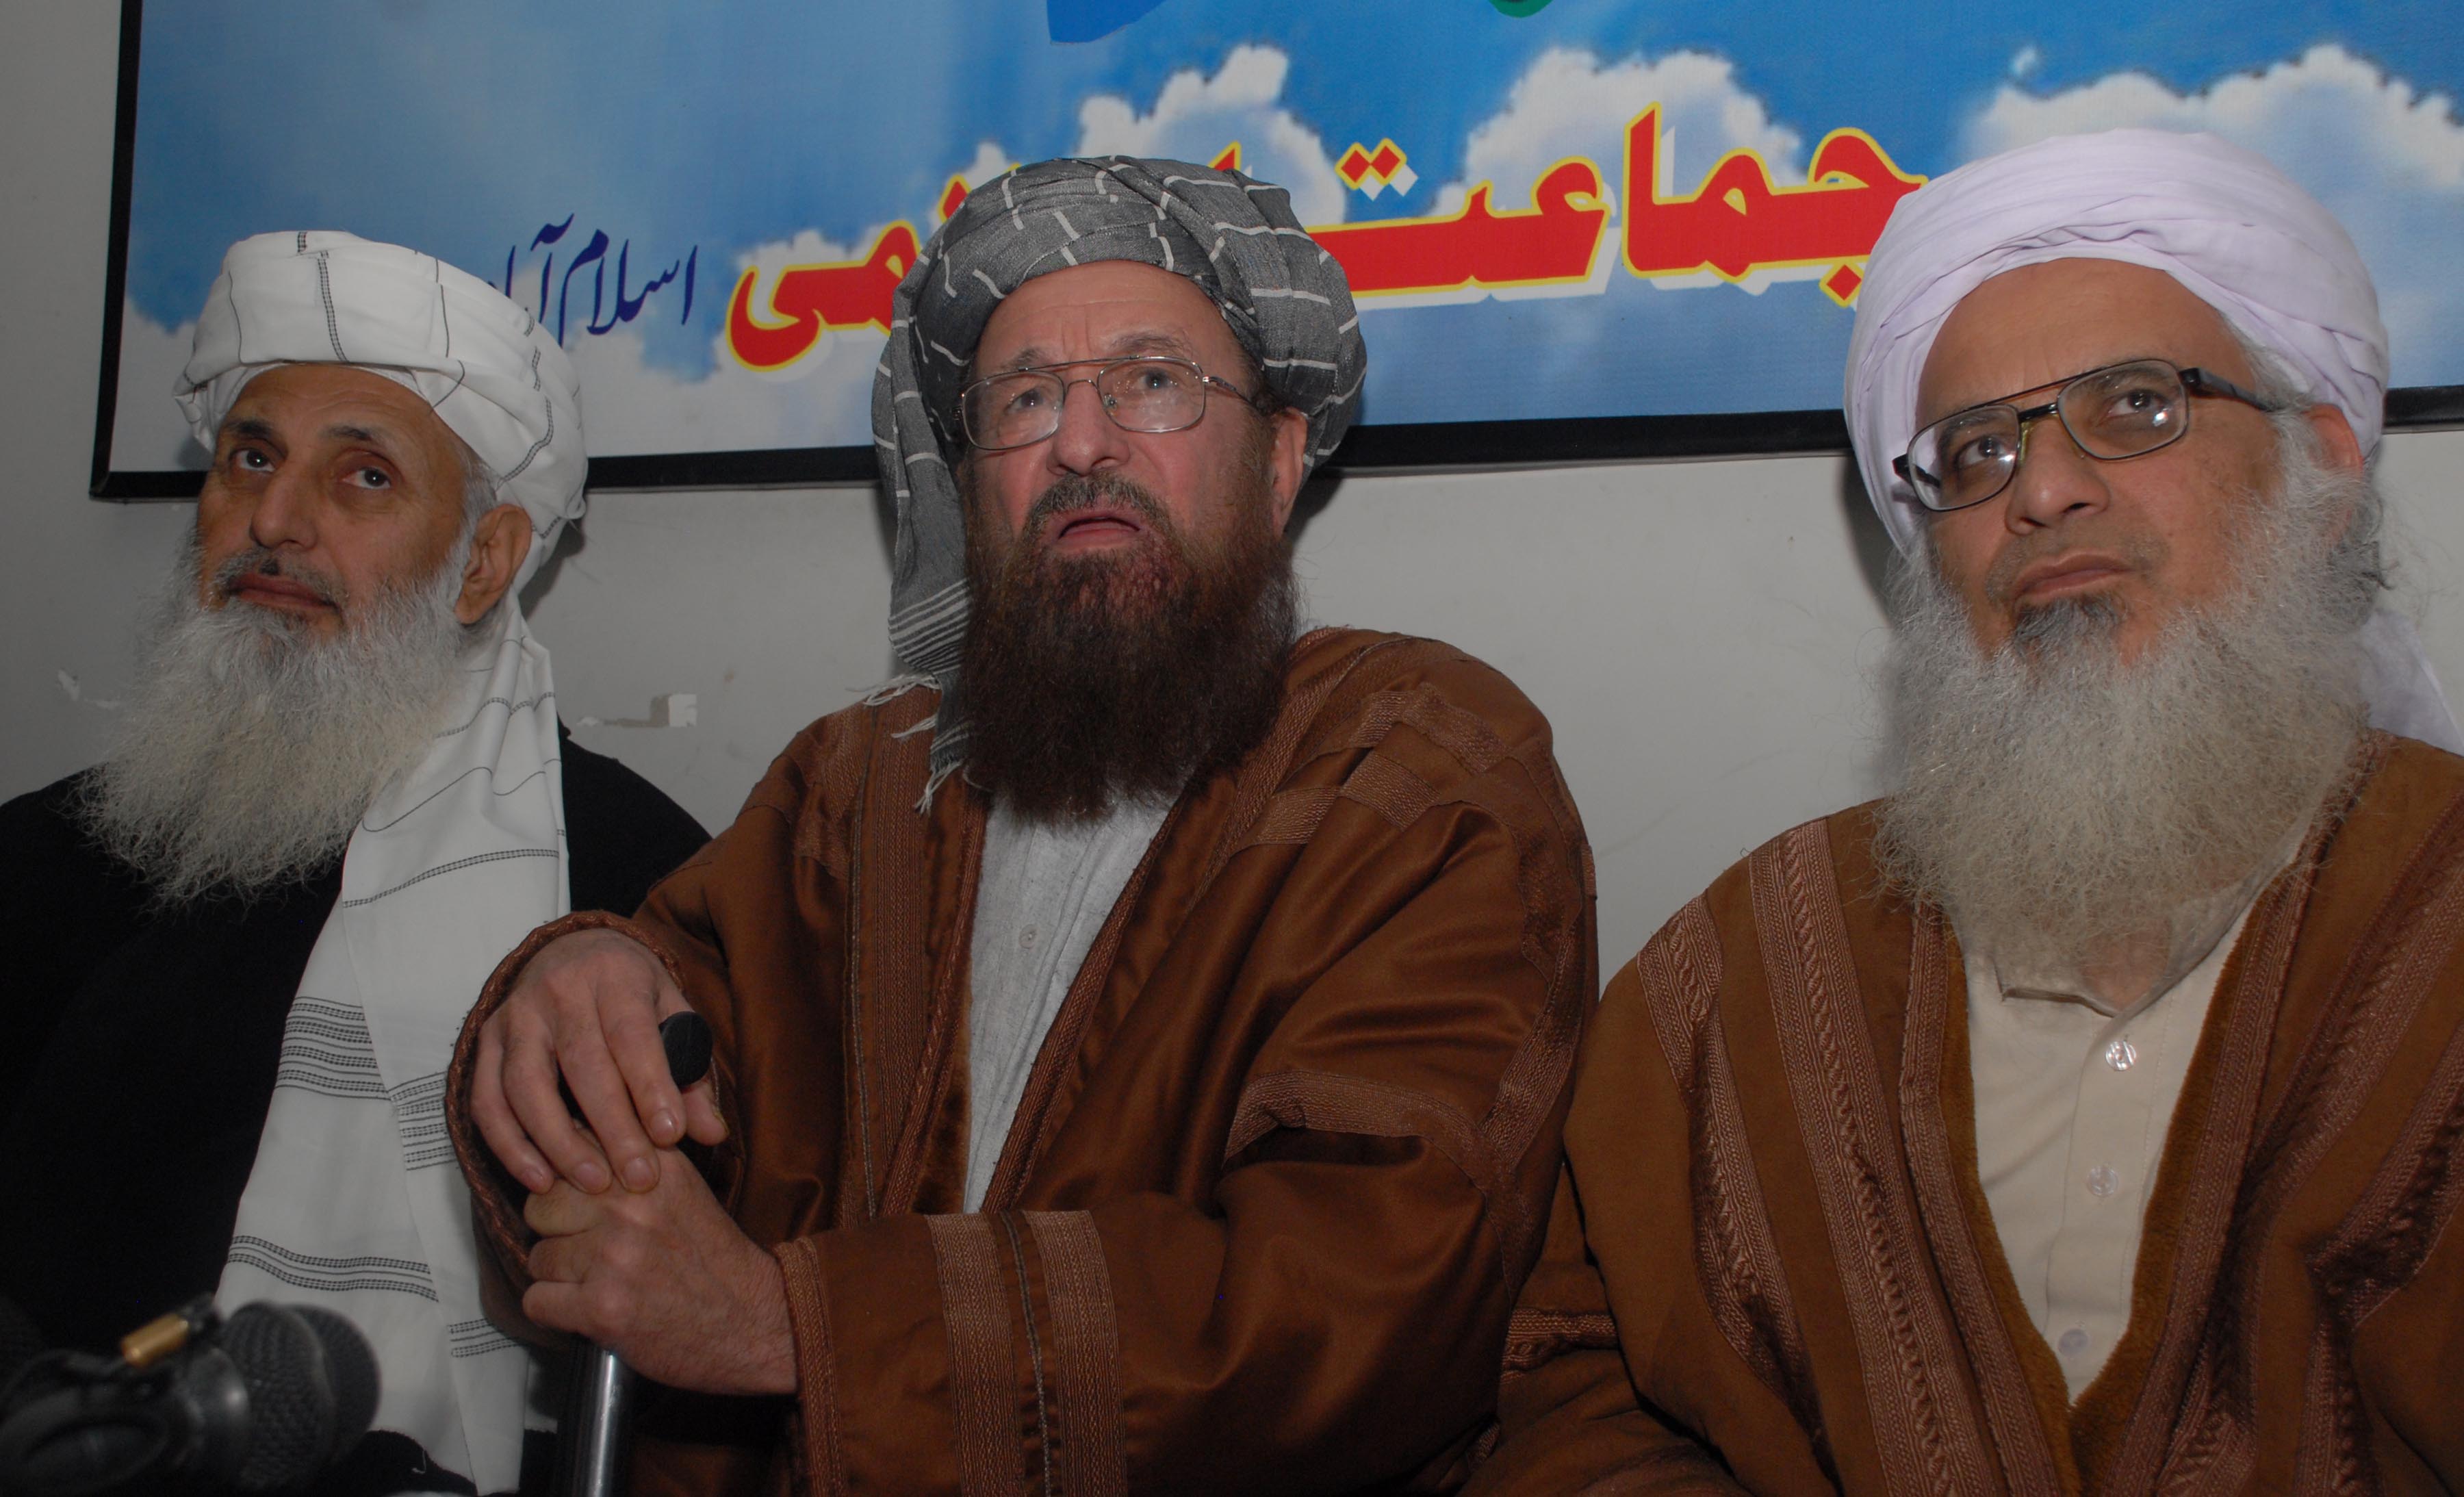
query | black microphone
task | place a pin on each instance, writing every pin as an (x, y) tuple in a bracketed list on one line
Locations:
[(261, 1402)]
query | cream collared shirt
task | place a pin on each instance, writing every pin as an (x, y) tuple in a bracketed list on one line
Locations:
[(2073, 1098), (1046, 891)]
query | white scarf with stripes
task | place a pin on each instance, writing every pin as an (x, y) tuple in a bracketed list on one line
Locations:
[(355, 1202)]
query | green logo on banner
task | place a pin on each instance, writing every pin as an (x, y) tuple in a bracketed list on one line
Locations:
[(1518, 7)]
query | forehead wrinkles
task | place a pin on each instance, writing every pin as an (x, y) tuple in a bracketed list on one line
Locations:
[(1126, 343), (1097, 309), (340, 403), (2037, 326)]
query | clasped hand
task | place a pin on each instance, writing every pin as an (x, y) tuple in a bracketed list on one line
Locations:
[(656, 1272), (666, 1280)]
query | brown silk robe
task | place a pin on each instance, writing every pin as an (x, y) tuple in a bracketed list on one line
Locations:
[(1282, 1161), (1771, 1188)]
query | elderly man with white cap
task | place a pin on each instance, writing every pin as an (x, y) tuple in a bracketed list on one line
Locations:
[(240, 948), (2084, 1113)]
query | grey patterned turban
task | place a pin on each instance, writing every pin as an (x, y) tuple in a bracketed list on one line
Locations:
[(1283, 296)]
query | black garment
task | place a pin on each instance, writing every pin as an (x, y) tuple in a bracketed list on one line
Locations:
[(139, 1047)]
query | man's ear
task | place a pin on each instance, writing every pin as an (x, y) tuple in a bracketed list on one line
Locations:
[(2338, 447), (1287, 461), (499, 544)]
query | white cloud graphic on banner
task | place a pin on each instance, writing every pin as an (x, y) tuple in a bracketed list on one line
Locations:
[(1194, 116), (990, 162), (629, 405), (2387, 158), (1571, 104), (147, 433)]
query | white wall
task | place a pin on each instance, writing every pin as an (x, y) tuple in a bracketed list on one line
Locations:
[(1699, 633)]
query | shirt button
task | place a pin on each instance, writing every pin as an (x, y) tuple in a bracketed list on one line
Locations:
[(2074, 1341), (2122, 1055), (2103, 1181), (1026, 939)]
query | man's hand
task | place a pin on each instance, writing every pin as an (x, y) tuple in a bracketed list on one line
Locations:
[(665, 1279), (587, 1006)]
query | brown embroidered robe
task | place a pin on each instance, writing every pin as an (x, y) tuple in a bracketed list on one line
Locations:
[(1283, 1157), (1772, 1265)]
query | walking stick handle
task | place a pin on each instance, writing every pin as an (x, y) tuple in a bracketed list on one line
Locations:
[(594, 1439)]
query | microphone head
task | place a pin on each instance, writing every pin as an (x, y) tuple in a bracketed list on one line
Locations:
[(312, 1391)]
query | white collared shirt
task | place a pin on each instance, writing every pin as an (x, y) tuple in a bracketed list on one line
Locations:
[(2072, 1108), (1042, 899)]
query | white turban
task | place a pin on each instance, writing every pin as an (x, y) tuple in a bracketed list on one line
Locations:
[(487, 368), (2225, 222)]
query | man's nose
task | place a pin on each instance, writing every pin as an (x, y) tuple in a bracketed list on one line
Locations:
[(286, 508), (2055, 480), (1087, 440)]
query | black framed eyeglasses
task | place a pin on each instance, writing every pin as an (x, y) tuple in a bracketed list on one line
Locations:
[(1020, 407), (2121, 410)]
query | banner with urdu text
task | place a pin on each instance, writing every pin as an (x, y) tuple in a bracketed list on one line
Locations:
[(1575, 230)]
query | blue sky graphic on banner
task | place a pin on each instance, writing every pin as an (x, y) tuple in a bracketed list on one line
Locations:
[(710, 200)]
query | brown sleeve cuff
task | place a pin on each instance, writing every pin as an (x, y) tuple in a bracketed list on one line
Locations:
[(876, 1398), (820, 1467), (496, 1197)]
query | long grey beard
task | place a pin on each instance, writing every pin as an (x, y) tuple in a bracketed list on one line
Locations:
[(251, 745), (2057, 802)]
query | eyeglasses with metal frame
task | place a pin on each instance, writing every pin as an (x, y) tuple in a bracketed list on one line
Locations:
[(1149, 393), (2121, 410)]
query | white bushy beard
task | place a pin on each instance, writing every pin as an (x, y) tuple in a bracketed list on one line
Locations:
[(2058, 803), (253, 741)]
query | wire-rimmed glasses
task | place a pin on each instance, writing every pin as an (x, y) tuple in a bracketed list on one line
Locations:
[(2121, 410), (1150, 393)]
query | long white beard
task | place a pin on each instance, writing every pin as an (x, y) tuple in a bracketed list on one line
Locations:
[(251, 744), (2058, 803)]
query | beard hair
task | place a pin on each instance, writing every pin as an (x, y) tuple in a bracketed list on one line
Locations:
[(1092, 679), (252, 742), (2055, 800)]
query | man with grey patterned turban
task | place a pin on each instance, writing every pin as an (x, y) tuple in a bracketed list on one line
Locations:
[(239, 949), (1141, 1027)]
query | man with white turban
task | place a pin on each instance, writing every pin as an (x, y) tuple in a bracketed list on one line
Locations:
[(2085, 1114), (240, 948), (1141, 1032)]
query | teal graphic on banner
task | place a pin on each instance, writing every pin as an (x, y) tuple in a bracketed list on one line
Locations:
[(1090, 20)]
